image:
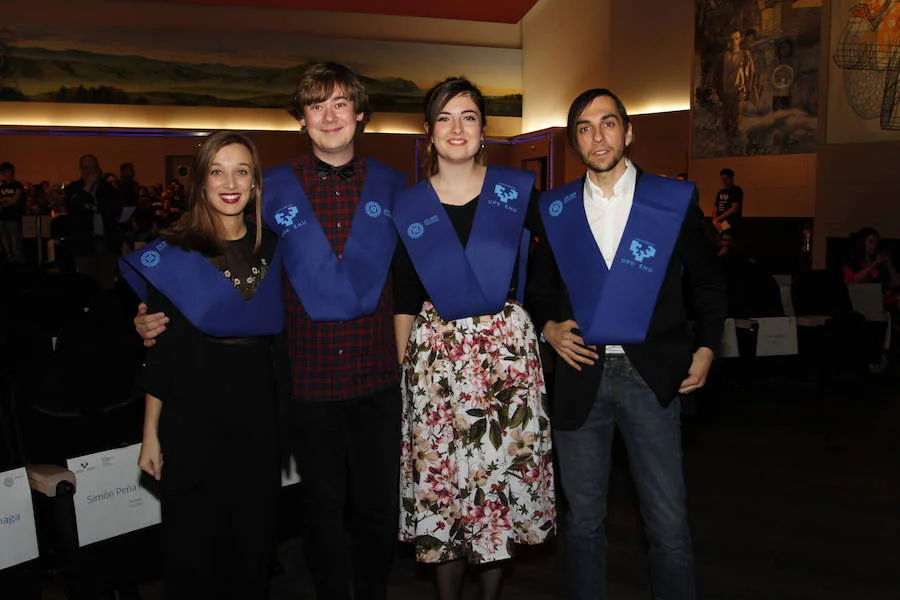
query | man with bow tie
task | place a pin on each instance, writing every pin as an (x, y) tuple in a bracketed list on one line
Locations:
[(331, 210), (345, 412)]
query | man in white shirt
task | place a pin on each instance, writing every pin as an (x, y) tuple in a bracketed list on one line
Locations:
[(606, 293)]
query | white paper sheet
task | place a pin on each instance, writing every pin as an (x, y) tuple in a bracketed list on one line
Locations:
[(18, 537), (777, 336), (110, 499)]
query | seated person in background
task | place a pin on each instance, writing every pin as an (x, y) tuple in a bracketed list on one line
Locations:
[(165, 209), (731, 256), (143, 229), (112, 180), (725, 240), (752, 293), (868, 263), (143, 225), (57, 200), (143, 197), (59, 250), (38, 201)]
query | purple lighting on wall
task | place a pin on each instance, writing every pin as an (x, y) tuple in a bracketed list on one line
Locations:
[(103, 131)]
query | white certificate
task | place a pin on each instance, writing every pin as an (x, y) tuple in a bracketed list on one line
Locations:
[(291, 475), (866, 298), (729, 346), (18, 537), (787, 301), (110, 499), (777, 336)]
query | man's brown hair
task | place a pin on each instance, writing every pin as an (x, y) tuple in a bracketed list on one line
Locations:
[(318, 83)]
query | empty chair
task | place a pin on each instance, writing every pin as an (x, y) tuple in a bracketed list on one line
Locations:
[(52, 489), (90, 379), (821, 292), (79, 400), (832, 336), (753, 294)]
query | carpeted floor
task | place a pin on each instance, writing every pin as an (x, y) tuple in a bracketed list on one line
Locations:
[(794, 489)]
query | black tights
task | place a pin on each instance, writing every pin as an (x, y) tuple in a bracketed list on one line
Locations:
[(450, 577)]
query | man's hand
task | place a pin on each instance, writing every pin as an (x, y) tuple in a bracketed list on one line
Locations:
[(569, 345), (149, 326), (698, 371)]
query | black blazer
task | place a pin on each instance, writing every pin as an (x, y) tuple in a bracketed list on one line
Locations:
[(665, 356)]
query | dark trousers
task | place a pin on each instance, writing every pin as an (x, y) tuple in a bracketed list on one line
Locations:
[(348, 453), (218, 534), (652, 436)]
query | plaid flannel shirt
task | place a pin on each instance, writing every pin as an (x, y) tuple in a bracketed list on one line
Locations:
[(334, 360)]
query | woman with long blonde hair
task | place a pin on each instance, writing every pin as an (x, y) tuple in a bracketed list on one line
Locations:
[(210, 428)]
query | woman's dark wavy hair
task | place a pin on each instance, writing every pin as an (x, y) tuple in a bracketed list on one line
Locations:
[(435, 101), (858, 242)]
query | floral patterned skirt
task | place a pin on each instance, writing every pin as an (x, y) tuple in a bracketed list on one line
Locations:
[(476, 471)]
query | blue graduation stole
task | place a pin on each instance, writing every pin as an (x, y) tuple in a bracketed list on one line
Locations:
[(329, 288), (614, 306), (203, 294), (470, 281)]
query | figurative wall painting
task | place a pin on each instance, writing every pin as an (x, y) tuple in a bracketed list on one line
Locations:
[(756, 77)]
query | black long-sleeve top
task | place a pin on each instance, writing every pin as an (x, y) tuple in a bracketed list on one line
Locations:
[(410, 293)]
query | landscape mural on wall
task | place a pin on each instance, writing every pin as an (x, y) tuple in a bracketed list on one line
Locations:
[(130, 65), (756, 77)]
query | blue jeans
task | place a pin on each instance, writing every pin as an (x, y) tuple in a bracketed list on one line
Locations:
[(652, 437)]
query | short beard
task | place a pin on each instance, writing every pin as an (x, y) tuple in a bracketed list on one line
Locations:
[(596, 169)]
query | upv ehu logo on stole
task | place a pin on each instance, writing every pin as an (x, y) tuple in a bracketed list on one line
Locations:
[(505, 194), (285, 216), (642, 252), (289, 219)]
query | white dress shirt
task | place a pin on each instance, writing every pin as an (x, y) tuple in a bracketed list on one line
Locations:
[(607, 217)]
